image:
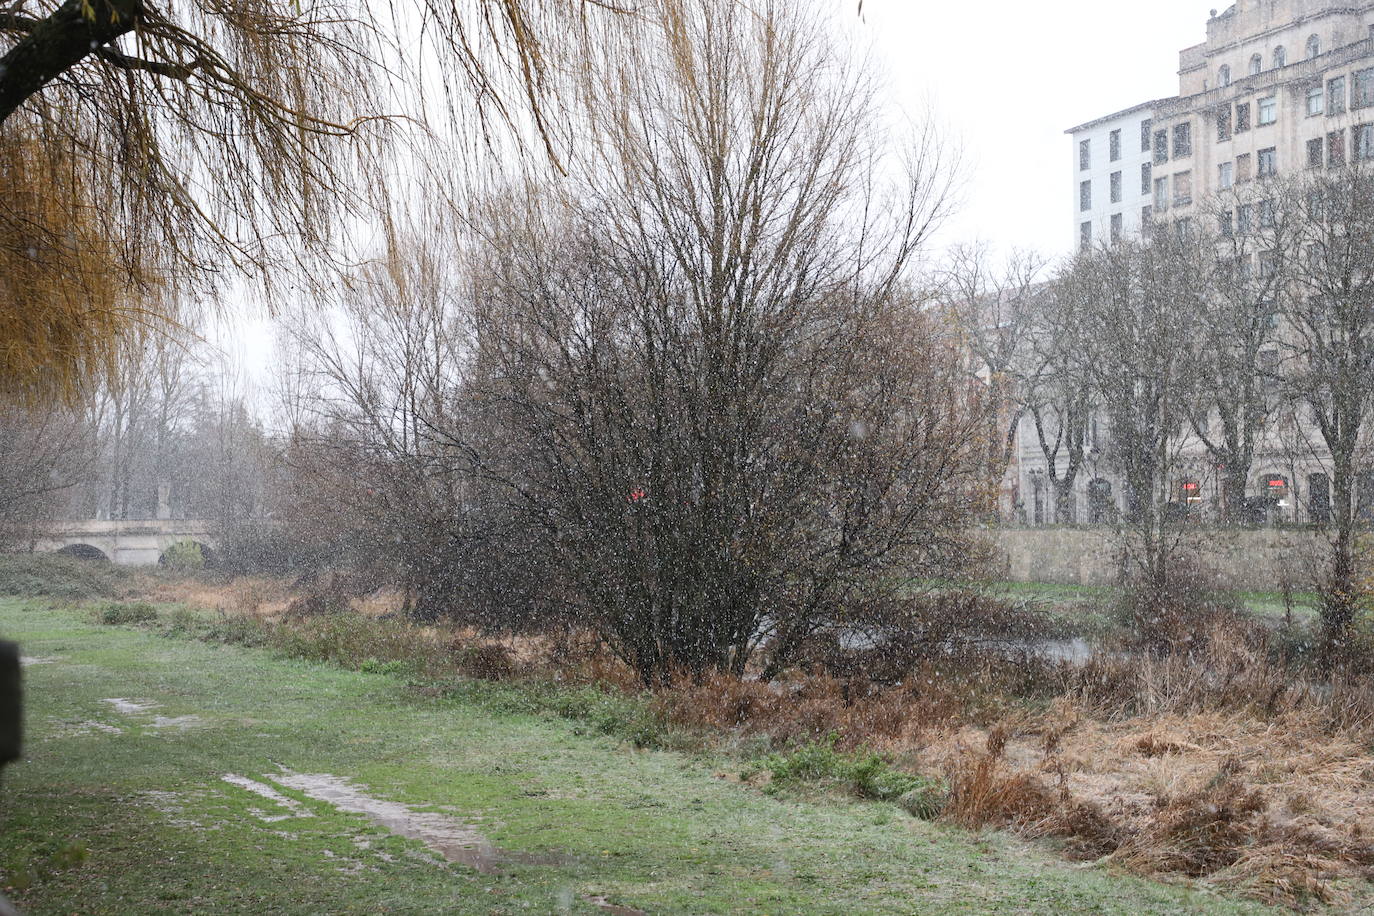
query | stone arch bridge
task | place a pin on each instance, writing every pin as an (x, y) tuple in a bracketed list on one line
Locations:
[(128, 542)]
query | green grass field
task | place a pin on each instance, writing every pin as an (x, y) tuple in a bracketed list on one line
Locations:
[(1090, 597), (128, 812)]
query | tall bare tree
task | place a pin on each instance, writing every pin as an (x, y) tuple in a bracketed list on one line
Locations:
[(995, 310), (1330, 313), (1058, 390), (729, 420), (1235, 329), (1135, 303)]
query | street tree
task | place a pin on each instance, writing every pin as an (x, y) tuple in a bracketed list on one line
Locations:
[(1330, 314), (1233, 340), (994, 307), (1059, 393), (1135, 302)]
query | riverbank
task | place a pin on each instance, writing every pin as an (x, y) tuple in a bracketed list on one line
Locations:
[(123, 804)]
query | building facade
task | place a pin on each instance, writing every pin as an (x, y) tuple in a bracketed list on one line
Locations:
[(1113, 175), (1277, 87)]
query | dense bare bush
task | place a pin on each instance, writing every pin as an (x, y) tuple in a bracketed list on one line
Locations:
[(727, 419)]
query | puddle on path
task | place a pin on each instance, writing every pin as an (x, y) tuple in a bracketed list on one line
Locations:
[(272, 795), (69, 729), (130, 707), (452, 839), (181, 722), (613, 908)]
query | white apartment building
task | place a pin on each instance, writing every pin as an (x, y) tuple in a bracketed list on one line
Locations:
[(1278, 86), (1112, 175)]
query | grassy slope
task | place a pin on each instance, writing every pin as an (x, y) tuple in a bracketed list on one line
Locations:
[(140, 822)]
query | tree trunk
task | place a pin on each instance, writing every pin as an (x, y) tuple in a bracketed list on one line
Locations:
[(1339, 594), (1063, 490), (1233, 494)]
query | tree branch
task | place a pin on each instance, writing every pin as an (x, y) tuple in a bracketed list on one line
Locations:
[(159, 68), (17, 22), (56, 44)]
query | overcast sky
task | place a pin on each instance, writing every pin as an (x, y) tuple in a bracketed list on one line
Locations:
[(1009, 76)]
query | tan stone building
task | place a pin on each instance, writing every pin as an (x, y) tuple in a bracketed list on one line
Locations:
[(1278, 87)]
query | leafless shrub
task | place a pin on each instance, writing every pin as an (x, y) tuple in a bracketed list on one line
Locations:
[(725, 420), (1177, 613)]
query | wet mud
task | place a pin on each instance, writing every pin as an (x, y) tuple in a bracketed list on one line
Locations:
[(454, 840)]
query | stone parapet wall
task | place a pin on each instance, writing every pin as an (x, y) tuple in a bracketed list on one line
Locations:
[(1251, 559)]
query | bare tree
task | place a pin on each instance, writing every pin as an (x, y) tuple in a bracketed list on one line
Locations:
[(1058, 391), (1330, 313), (44, 454), (995, 310), (1235, 331), (728, 420), (382, 451), (1135, 302)]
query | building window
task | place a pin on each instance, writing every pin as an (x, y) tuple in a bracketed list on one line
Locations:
[(1224, 223), (1183, 140), (1085, 155), (1314, 46), (1184, 228), (1226, 175), (1268, 111), (1145, 178), (1316, 209), (1183, 189), (1335, 96), (1161, 194), (1242, 167), (1085, 195), (1245, 218), (1256, 64), (1161, 146), (1280, 57), (1115, 184), (1146, 212), (1314, 153), (1315, 101), (1145, 136), (1224, 76), (1267, 162), (1085, 235), (1116, 228), (1242, 116), (1362, 88), (1114, 145), (1223, 123), (1364, 142), (1266, 221), (1335, 148)]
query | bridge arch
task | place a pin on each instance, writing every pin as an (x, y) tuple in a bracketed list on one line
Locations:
[(178, 553), (83, 552)]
